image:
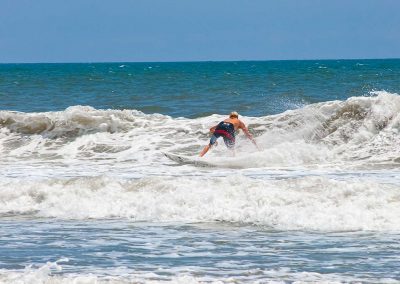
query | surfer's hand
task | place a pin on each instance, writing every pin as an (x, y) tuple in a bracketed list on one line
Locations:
[(255, 143), (258, 147)]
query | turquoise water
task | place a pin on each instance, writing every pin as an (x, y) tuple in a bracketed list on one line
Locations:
[(193, 89), (87, 195)]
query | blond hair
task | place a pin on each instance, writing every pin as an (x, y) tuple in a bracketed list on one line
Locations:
[(234, 114)]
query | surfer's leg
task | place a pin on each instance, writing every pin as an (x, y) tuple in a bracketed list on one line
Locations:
[(213, 141), (205, 150)]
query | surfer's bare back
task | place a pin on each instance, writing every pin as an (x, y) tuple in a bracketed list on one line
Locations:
[(226, 129)]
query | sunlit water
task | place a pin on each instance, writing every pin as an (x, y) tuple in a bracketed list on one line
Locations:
[(87, 195)]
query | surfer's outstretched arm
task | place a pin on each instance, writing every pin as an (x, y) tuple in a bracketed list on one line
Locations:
[(248, 134)]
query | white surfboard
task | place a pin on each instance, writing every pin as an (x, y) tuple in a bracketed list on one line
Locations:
[(188, 160)]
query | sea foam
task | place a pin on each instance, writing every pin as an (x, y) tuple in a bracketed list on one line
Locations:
[(47, 273), (310, 203), (358, 130), (86, 163)]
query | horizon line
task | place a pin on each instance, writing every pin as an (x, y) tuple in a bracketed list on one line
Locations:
[(198, 61)]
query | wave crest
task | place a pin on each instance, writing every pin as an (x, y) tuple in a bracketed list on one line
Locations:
[(73, 122), (358, 129)]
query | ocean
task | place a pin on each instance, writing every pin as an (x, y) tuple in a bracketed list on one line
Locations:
[(87, 195)]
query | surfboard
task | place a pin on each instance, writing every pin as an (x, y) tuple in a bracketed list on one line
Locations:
[(188, 160)]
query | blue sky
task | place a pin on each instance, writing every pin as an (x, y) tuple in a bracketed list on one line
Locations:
[(187, 30)]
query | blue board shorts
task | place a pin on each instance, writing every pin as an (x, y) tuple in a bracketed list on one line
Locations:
[(229, 140)]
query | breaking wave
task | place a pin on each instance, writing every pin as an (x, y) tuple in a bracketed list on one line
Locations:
[(310, 203), (84, 163), (358, 129)]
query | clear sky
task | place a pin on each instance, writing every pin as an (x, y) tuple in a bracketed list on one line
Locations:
[(188, 30)]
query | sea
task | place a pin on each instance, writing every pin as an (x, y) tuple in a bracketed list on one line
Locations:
[(88, 196)]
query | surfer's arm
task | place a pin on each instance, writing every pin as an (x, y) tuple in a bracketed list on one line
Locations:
[(248, 134), (212, 129)]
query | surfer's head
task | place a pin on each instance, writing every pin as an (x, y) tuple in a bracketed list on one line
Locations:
[(233, 114)]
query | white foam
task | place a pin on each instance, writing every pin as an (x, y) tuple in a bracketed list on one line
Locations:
[(307, 203), (360, 130), (45, 274), (67, 154)]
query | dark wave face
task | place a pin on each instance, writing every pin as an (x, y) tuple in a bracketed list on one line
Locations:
[(193, 89)]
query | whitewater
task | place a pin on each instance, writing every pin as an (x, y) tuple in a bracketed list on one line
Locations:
[(87, 196)]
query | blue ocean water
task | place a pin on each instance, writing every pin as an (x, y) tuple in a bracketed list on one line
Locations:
[(193, 89), (87, 195)]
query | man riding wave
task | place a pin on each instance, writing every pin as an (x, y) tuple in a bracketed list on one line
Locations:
[(226, 129)]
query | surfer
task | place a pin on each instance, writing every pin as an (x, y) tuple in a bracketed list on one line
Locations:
[(226, 129)]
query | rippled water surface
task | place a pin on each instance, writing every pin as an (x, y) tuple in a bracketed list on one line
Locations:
[(88, 196), (129, 251)]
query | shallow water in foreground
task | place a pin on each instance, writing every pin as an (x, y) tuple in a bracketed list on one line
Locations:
[(116, 250)]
